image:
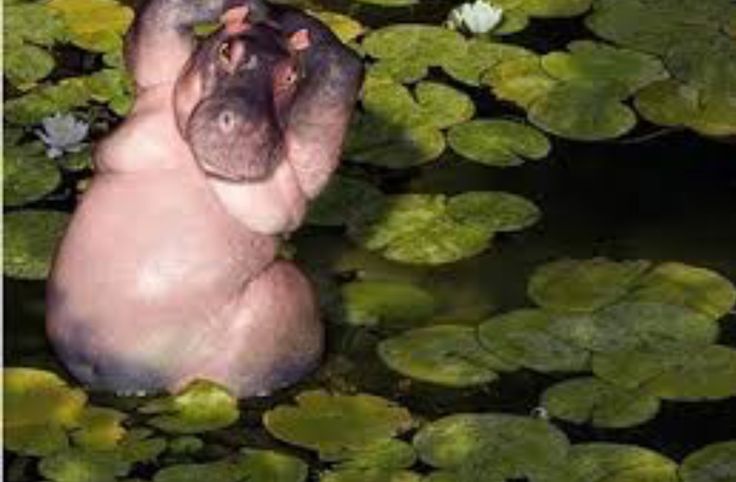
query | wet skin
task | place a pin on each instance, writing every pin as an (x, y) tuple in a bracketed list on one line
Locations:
[(168, 269)]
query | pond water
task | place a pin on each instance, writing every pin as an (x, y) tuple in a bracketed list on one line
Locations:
[(657, 193)]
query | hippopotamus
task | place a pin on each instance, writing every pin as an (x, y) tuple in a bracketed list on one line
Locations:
[(169, 270)]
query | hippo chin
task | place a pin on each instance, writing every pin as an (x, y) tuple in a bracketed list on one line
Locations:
[(168, 270)]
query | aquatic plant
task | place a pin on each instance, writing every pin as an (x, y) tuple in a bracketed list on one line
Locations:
[(29, 241), (62, 133), (478, 17)]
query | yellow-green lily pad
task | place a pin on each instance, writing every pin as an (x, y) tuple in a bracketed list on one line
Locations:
[(590, 400), (713, 463), (389, 303), (344, 27), (608, 462), (636, 325), (520, 80), (39, 408), (672, 372), (96, 25), (345, 199), (443, 354), (256, 465), (479, 57), (699, 289), (371, 475), (99, 428), (30, 239), (386, 454), (200, 407), (491, 447), (81, 465), (498, 142), (494, 211), (28, 175), (524, 337), (336, 425), (572, 285)]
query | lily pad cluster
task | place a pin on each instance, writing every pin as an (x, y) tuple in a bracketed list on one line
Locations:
[(646, 332), (437, 229), (694, 39), (577, 94)]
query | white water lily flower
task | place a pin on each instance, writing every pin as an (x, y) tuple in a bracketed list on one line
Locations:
[(62, 133), (477, 18)]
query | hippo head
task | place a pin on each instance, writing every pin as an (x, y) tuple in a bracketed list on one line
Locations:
[(233, 98)]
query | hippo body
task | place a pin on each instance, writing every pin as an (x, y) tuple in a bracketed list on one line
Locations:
[(168, 273)]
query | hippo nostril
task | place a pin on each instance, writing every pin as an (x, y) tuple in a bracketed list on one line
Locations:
[(226, 121)]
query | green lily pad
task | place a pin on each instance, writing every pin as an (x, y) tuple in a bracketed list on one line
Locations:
[(81, 465), (386, 302), (138, 446), (571, 285), (400, 129), (422, 45), (432, 229), (635, 325), (386, 454), (495, 211), (598, 62), (390, 3), (343, 200), (607, 462), (200, 407), (30, 239), (443, 354), (371, 475), (336, 425), (498, 142), (582, 111), (674, 372), (479, 57), (99, 428), (520, 80), (491, 447), (38, 409), (346, 28), (26, 58), (673, 103), (695, 45), (28, 175), (601, 404), (524, 337), (96, 25), (185, 445), (256, 465), (699, 289), (46, 100), (713, 463)]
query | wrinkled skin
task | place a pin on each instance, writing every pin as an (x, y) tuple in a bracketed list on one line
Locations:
[(168, 270)]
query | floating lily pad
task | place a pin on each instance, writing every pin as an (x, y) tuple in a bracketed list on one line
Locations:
[(371, 475), (336, 425), (30, 239), (713, 463), (590, 400), (673, 372), (25, 54), (28, 175), (346, 28), (80, 465), (479, 57), (618, 463), (386, 302), (138, 446), (256, 465), (185, 445), (432, 229), (524, 337), (582, 111), (443, 354), (598, 62), (635, 325), (491, 447), (498, 142), (385, 455), (520, 80), (99, 428), (571, 285), (96, 25), (200, 407), (699, 289), (38, 409), (343, 200), (694, 44), (390, 3)]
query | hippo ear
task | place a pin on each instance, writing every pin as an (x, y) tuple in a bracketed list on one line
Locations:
[(299, 40), (235, 20)]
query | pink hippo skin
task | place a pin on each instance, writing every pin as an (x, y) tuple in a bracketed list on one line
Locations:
[(168, 270)]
